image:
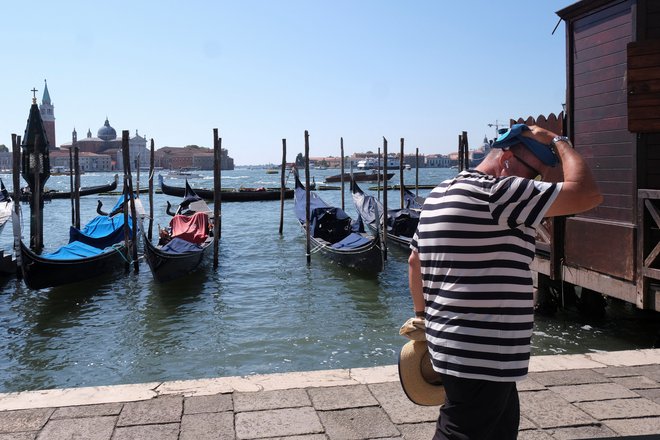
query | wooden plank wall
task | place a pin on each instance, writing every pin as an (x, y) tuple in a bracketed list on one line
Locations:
[(599, 129)]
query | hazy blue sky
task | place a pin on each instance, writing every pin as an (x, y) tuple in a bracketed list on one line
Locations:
[(260, 71)]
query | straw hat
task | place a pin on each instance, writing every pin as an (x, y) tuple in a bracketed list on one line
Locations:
[(420, 382)]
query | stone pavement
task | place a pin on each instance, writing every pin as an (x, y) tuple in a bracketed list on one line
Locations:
[(598, 395)]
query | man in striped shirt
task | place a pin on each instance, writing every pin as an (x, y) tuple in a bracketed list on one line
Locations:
[(469, 273)]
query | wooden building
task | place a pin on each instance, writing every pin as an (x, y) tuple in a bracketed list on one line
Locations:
[(613, 117)]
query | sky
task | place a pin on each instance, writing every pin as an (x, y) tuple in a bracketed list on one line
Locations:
[(265, 70)]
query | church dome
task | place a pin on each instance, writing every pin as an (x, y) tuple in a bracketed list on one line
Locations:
[(107, 133)]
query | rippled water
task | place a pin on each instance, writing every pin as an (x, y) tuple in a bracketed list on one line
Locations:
[(262, 311)]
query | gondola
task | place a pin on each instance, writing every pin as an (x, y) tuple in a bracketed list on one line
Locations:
[(98, 248), (229, 195), (360, 176), (85, 191), (336, 235), (401, 223), (182, 246)]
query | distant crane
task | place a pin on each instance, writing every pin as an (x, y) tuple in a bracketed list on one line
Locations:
[(497, 126)]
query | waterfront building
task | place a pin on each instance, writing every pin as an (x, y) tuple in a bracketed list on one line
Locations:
[(191, 156), (88, 162), (440, 160), (106, 142)]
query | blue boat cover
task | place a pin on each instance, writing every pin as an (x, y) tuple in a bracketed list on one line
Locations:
[(352, 241), (101, 231), (327, 222), (180, 246), (74, 251)]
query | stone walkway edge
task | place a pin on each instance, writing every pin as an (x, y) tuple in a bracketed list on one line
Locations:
[(282, 381)]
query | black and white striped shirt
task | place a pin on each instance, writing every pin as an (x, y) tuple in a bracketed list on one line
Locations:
[(475, 240)]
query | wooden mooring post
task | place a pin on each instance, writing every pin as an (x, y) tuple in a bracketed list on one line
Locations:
[(128, 178), (282, 189), (384, 239), (151, 190), (217, 197), (341, 149), (401, 190), (307, 201)]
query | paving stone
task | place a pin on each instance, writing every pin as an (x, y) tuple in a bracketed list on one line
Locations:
[(208, 404), (169, 431), (352, 396), (529, 385), (594, 391), (651, 394), (24, 419), (416, 431), (585, 432), (357, 423), (208, 426), (160, 410), (278, 399), (549, 410), (19, 436), (643, 426), (636, 382), (650, 371), (570, 377), (397, 405), (534, 435), (302, 437), (91, 428), (620, 408), (72, 412), (277, 423), (525, 424)]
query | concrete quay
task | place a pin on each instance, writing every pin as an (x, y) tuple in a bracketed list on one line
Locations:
[(597, 395)]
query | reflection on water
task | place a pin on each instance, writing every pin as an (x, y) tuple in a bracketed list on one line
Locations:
[(262, 311)]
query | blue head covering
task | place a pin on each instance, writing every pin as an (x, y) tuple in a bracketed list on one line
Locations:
[(514, 136)]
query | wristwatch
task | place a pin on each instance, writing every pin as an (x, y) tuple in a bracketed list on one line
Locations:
[(562, 139)]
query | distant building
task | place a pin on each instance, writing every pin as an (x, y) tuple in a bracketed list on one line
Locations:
[(87, 161), (439, 161), (106, 143), (191, 156)]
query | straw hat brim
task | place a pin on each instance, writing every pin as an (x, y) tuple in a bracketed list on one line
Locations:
[(419, 381)]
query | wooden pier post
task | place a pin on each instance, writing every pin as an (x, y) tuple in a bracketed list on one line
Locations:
[(151, 190), (341, 148), (217, 197), (282, 186), (417, 172), (401, 173), (384, 240), (76, 185), (16, 179), (378, 174), (131, 201), (307, 200), (74, 139), (466, 151)]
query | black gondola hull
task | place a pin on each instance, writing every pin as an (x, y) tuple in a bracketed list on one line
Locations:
[(39, 273), (366, 259), (253, 195), (169, 266)]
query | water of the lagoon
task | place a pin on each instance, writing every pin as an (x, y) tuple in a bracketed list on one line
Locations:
[(261, 311)]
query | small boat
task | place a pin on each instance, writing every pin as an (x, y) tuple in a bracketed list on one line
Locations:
[(360, 176), (184, 173), (336, 235), (85, 191), (181, 246), (6, 205), (401, 223), (228, 195), (99, 248)]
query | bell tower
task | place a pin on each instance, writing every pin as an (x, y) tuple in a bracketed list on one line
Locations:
[(48, 116)]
